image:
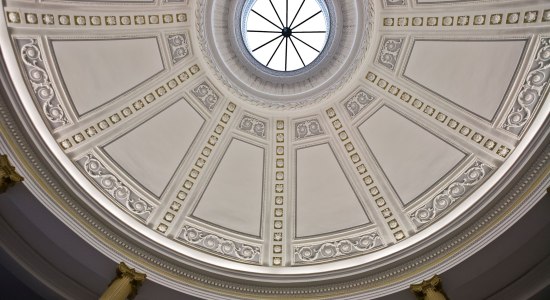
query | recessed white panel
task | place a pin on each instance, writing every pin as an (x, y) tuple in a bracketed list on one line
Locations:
[(473, 74), (234, 195), (325, 200), (152, 152), (412, 158), (96, 71)]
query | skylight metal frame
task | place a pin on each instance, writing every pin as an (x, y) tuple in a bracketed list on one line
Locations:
[(274, 24)]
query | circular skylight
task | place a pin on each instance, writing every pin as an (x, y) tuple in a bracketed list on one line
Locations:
[(285, 35)]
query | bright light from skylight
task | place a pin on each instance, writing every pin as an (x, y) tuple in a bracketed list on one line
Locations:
[(285, 35)]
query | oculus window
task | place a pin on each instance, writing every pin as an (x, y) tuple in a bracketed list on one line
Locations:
[(285, 35)]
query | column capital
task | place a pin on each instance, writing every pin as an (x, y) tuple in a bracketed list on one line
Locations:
[(430, 289), (136, 279), (8, 175)]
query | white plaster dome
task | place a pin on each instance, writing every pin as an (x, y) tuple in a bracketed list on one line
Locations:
[(163, 141)]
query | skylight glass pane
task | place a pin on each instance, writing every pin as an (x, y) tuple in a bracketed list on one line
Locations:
[(285, 35)]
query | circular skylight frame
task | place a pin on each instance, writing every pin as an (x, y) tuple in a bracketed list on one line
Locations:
[(238, 41), (278, 24)]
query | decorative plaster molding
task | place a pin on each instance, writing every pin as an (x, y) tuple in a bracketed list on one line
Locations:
[(94, 129), (40, 82), (278, 234), (179, 46), (174, 209), (253, 126), (464, 184), (453, 20), (358, 102), (96, 231), (236, 250), (372, 186), (202, 34), (390, 48), (533, 90), (206, 95), (393, 3), (115, 188), (55, 18), (180, 271), (338, 249), (477, 138), (308, 128)]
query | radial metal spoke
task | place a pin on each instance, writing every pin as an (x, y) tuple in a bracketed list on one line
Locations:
[(286, 24), (276, 13), (259, 34), (286, 54), (266, 19), (307, 19), (266, 43), (305, 43), (309, 32), (300, 8), (264, 31), (296, 49), (277, 49)]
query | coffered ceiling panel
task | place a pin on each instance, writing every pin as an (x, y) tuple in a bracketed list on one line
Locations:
[(234, 196), (152, 152), (325, 200), (97, 71), (412, 158), (474, 74)]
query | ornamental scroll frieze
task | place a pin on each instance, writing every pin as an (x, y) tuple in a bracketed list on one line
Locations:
[(206, 95), (179, 46), (532, 91), (358, 102), (308, 128), (253, 126), (391, 3), (219, 245), (465, 183), (115, 188), (389, 52), (338, 249), (40, 82)]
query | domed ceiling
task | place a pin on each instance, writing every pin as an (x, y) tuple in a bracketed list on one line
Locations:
[(226, 178)]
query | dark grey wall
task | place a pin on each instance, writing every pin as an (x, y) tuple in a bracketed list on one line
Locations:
[(514, 266)]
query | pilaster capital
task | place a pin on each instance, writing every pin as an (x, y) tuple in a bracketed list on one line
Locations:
[(8, 175), (431, 289), (136, 279)]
